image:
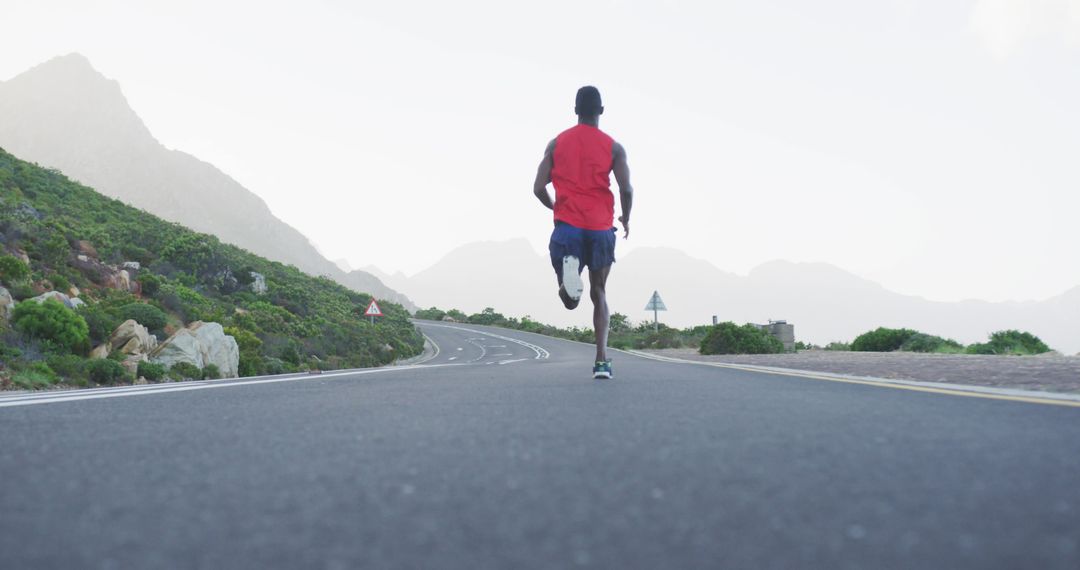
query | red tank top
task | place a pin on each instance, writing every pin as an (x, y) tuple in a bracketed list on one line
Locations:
[(582, 162)]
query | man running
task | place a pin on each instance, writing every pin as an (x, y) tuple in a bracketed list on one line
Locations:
[(578, 163)]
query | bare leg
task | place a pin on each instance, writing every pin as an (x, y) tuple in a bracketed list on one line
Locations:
[(601, 318)]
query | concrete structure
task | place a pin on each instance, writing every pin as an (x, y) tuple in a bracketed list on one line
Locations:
[(783, 332)]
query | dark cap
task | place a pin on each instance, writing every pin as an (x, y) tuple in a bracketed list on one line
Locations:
[(588, 101)]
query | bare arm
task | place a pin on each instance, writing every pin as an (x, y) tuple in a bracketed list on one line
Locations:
[(543, 176), (626, 192)]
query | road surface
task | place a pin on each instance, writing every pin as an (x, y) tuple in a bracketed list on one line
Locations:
[(501, 452)]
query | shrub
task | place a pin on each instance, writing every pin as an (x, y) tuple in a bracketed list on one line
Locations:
[(432, 314), (152, 371), (100, 322), (34, 376), (920, 342), (487, 317), (150, 283), (53, 322), (12, 269), (60, 283), (105, 371), (185, 371), (68, 366), (882, 339), (729, 338), (1010, 342), (145, 314), (211, 372)]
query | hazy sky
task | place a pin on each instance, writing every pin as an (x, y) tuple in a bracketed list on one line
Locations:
[(933, 146)]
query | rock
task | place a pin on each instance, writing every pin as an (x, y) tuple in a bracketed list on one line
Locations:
[(74, 292), (200, 344), (82, 257), (28, 211), (258, 283), (85, 248), (132, 266), (101, 351), (140, 381), (131, 363), (221, 349), (22, 256), (76, 303), (132, 338), (7, 304), (57, 296)]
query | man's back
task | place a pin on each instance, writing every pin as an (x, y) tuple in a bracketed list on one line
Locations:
[(581, 163)]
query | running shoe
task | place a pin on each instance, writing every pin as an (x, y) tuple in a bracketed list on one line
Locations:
[(602, 370), (571, 277)]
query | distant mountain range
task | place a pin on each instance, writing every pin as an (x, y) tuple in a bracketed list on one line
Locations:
[(64, 114), (824, 302)]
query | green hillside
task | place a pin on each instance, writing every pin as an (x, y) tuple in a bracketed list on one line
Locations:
[(75, 237)]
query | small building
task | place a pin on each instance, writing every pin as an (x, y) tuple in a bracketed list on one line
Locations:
[(782, 331)]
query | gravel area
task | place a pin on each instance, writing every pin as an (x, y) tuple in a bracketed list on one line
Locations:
[(1048, 373)]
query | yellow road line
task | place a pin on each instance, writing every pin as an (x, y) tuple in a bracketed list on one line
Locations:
[(882, 383)]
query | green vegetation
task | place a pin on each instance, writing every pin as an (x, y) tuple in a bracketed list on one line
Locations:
[(1010, 342), (882, 339), (729, 338), (106, 371), (185, 371), (300, 322), (53, 323), (152, 371)]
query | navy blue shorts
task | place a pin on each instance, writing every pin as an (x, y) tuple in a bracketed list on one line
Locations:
[(595, 248)]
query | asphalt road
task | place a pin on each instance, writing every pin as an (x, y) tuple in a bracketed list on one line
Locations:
[(497, 454)]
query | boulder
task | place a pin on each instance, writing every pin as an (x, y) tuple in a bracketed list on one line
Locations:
[(85, 248), (131, 363), (132, 266), (100, 351), (74, 292), (132, 338), (200, 344), (55, 295), (221, 349), (22, 256), (7, 304), (258, 283)]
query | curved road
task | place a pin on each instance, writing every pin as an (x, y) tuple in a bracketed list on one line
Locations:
[(500, 452)]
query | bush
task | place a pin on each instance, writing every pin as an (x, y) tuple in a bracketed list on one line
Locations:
[(185, 371), (150, 283), (68, 366), (34, 376), (100, 322), (1010, 342), (211, 372), (920, 342), (432, 314), (152, 371), (13, 270), (105, 371), (882, 339), (729, 338), (145, 314), (60, 283), (53, 322)]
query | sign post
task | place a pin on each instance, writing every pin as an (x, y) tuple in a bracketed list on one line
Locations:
[(656, 304), (373, 311)]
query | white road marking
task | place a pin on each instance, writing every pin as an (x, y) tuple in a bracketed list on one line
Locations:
[(452, 358), (121, 392), (501, 362), (540, 351)]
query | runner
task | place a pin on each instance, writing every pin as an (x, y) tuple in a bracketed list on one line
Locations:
[(578, 163)]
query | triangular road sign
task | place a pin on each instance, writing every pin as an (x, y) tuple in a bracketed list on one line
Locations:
[(373, 310), (656, 303)]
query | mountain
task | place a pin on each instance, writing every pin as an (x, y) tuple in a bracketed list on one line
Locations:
[(824, 302), (112, 262), (64, 114)]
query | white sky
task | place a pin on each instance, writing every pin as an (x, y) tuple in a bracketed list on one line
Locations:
[(930, 145)]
